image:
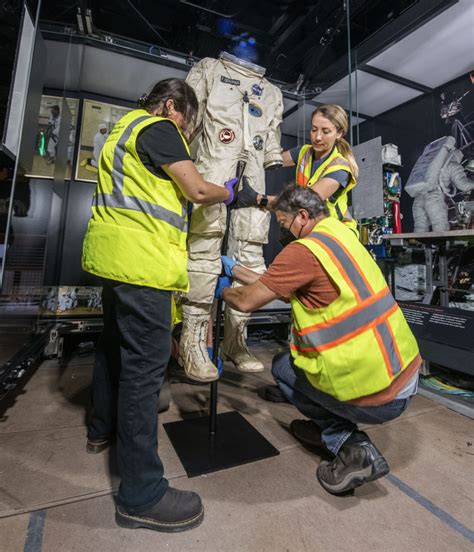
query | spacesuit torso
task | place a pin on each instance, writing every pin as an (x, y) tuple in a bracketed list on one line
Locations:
[(240, 112)]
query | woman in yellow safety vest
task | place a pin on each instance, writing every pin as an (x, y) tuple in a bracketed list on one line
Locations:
[(326, 165), (136, 243)]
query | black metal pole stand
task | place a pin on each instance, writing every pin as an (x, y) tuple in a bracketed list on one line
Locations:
[(213, 443)]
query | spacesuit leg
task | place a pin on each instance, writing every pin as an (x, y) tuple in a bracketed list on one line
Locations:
[(204, 267), (234, 347), (420, 217), (437, 211)]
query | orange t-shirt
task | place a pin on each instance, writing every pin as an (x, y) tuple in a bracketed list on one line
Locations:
[(296, 270)]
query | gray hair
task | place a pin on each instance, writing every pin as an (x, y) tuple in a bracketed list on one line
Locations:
[(293, 198)]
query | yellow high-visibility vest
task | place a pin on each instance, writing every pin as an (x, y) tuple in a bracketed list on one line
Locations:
[(137, 233), (361, 342), (335, 161)]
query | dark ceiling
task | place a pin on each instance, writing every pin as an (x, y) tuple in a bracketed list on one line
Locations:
[(288, 37)]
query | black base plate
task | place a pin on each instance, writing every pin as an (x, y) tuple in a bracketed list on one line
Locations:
[(235, 442)]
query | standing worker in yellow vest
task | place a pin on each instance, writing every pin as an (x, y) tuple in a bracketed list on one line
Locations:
[(136, 243), (353, 358), (326, 165)]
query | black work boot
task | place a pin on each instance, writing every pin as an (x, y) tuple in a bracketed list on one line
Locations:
[(357, 462), (307, 432), (176, 511), (94, 446), (272, 393)]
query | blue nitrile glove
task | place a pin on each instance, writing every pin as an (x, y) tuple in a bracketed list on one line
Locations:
[(220, 362), (222, 283), (228, 265), (231, 186)]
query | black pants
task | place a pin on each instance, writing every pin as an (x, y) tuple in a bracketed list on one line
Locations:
[(132, 355)]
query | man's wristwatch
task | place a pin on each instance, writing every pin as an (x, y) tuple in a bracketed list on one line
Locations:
[(263, 201)]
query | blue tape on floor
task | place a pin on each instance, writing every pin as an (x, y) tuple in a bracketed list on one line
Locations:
[(34, 534), (435, 510)]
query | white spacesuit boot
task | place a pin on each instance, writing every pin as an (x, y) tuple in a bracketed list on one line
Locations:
[(234, 346), (193, 346), (240, 113)]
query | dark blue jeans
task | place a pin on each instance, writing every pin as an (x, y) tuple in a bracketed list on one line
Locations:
[(131, 359), (336, 419)]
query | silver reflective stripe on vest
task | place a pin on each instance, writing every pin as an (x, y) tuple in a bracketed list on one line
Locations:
[(158, 212), (118, 200), (304, 160), (119, 155), (346, 263), (389, 347), (354, 322)]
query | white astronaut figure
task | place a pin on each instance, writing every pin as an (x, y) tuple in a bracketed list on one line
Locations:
[(240, 113), (70, 144), (50, 302), (54, 124), (99, 141), (436, 171), (94, 301), (68, 300)]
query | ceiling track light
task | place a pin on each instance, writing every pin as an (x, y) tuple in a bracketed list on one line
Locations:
[(89, 22), (80, 22)]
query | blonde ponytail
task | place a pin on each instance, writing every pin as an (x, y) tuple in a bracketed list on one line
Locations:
[(345, 148)]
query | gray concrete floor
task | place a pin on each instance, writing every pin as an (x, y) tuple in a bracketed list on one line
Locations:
[(55, 497)]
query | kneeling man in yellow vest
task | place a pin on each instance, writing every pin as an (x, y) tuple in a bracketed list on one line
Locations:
[(352, 357)]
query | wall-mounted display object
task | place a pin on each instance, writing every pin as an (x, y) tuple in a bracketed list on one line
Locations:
[(98, 119), (46, 144), (71, 300)]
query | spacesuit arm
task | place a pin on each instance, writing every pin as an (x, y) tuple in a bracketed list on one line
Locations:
[(457, 176), (272, 156)]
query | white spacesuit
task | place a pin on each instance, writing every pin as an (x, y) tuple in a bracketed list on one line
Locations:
[(54, 124), (240, 113), (435, 172)]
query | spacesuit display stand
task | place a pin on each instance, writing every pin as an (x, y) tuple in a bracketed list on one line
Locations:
[(216, 442)]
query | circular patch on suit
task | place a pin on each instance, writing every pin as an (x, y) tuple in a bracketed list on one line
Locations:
[(257, 89), (226, 135), (258, 142), (254, 110)]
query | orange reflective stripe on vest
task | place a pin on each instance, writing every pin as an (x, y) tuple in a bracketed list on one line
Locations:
[(302, 175)]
